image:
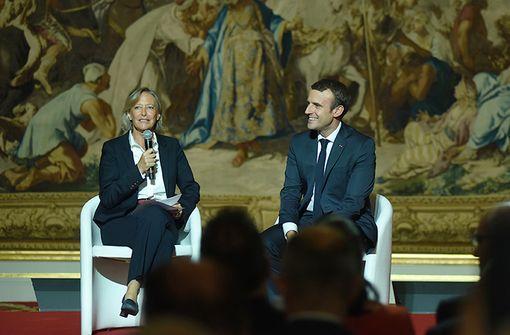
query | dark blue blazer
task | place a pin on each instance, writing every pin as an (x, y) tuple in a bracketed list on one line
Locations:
[(119, 178), (348, 179)]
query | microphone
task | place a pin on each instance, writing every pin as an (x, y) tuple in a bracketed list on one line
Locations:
[(147, 135)]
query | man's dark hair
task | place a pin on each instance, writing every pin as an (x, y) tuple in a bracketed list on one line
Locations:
[(232, 239), (350, 231), (200, 292), (495, 277), (353, 236), (498, 229), (321, 259), (339, 90)]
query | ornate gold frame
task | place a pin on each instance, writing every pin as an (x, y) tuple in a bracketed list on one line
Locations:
[(45, 226)]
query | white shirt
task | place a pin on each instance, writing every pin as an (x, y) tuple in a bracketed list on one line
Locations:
[(149, 189), (288, 226)]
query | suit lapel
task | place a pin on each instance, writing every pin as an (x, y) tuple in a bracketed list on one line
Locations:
[(310, 148), (163, 158), (337, 150), (126, 150)]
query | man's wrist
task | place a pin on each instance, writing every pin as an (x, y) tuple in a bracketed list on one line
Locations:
[(288, 227), (290, 234)]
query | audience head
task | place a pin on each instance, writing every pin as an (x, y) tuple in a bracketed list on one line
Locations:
[(487, 309), (492, 234), (321, 271), (199, 292), (346, 228), (353, 236), (495, 273), (232, 239)]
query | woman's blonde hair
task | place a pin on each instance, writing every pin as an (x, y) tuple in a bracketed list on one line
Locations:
[(132, 99)]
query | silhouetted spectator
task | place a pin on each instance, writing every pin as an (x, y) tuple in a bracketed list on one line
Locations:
[(366, 316), (200, 292), (231, 239), (320, 280), (490, 240), (487, 310)]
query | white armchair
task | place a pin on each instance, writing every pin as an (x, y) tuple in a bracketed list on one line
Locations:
[(104, 270), (378, 263)]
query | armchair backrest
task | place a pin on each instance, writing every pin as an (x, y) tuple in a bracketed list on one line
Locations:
[(90, 234), (383, 216)]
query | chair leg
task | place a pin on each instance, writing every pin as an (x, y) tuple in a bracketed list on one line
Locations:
[(392, 294)]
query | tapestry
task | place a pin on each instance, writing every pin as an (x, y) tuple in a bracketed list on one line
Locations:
[(430, 81)]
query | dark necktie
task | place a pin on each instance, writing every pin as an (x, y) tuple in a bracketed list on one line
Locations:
[(319, 179)]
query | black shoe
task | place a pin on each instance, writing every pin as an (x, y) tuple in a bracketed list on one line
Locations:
[(129, 307)]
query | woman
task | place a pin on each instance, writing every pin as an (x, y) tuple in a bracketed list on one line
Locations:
[(127, 213)]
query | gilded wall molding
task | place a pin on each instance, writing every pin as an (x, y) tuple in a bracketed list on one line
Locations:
[(50, 221)]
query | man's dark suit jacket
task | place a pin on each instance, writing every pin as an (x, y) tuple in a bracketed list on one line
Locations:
[(348, 179), (119, 178)]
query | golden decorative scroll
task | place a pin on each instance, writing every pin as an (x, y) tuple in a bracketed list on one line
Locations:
[(48, 223)]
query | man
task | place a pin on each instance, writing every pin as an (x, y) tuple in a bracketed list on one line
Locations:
[(366, 314), (51, 147), (330, 169), (197, 292), (492, 225), (231, 239), (489, 241), (320, 280)]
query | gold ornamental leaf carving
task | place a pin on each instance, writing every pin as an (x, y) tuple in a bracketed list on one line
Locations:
[(50, 221), (40, 223)]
